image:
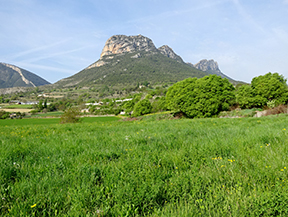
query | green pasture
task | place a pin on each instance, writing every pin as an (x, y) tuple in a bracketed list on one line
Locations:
[(16, 106), (48, 114), (148, 167), (49, 121)]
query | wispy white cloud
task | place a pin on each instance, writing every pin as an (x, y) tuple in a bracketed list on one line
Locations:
[(180, 12), (37, 49), (52, 55), (46, 68), (250, 21)]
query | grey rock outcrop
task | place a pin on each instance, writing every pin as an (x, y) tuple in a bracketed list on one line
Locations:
[(206, 65), (168, 52), (119, 44), (209, 66)]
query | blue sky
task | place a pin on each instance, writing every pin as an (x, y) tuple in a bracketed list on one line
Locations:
[(56, 39)]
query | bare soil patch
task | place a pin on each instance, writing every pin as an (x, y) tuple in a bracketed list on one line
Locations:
[(17, 110)]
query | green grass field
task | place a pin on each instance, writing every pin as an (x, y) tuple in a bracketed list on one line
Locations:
[(200, 167), (49, 121), (14, 106), (48, 114)]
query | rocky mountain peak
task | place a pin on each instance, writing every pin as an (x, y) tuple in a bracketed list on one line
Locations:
[(211, 67), (119, 44), (206, 65), (167, 51)]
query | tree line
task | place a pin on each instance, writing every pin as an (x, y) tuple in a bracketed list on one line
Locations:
[(208, 96), (192, 97)]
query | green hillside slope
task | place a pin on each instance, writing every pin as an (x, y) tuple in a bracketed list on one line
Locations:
[(122, 70)]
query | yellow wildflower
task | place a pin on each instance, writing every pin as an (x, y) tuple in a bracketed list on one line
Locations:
[(33, 205)]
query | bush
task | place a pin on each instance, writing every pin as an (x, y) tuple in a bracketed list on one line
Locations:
[(33, 112), (4, 114), (270, 89), (70, 115), (198, 98), (142, 107)]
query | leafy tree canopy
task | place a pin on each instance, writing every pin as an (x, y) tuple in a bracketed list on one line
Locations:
[(142, 107), (204, 97), (263, 89)]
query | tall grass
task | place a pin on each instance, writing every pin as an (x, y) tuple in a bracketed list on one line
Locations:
[(49, 121), (201, 167)]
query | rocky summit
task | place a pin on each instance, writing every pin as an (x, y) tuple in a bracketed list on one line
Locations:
[(211, 67), (119, 44)]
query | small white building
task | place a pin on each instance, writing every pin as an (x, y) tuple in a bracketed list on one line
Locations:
[(96, 103), (123, 100)]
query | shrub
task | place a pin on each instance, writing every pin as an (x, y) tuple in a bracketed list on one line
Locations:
[(270, 89), (33, 112), (142, 107), (204, 97), (70, 115), (4, 114)]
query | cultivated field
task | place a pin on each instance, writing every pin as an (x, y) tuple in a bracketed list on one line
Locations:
[(16, 108), (152, 167)]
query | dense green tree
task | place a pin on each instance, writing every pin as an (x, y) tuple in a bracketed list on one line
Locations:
[(51, 107), (263, 89), (40, 105), (45, 104), (245, 97), (204, 97), (175, 93), (129, 106), (4, 114), (159, 104), (70, 115), (142, 107)]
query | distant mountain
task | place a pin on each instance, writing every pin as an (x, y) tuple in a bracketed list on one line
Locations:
[(131, 60), (13, 76), (210, 66)]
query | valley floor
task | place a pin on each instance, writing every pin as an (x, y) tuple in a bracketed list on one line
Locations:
[(148, 167)]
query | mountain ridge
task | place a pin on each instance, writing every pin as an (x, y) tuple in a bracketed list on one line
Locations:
[(131, 60), (14, 76)]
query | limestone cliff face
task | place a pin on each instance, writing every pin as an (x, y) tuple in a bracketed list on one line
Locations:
[(167, 51), (122, 44), (119, 44)]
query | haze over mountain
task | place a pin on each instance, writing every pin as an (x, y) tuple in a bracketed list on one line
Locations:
[(13, 76), (132, 60)]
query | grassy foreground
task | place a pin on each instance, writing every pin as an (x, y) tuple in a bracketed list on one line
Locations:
[(201, 167), (49, 121)]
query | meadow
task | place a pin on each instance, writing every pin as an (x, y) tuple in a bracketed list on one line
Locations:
[(47, 120), (147, 167)]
